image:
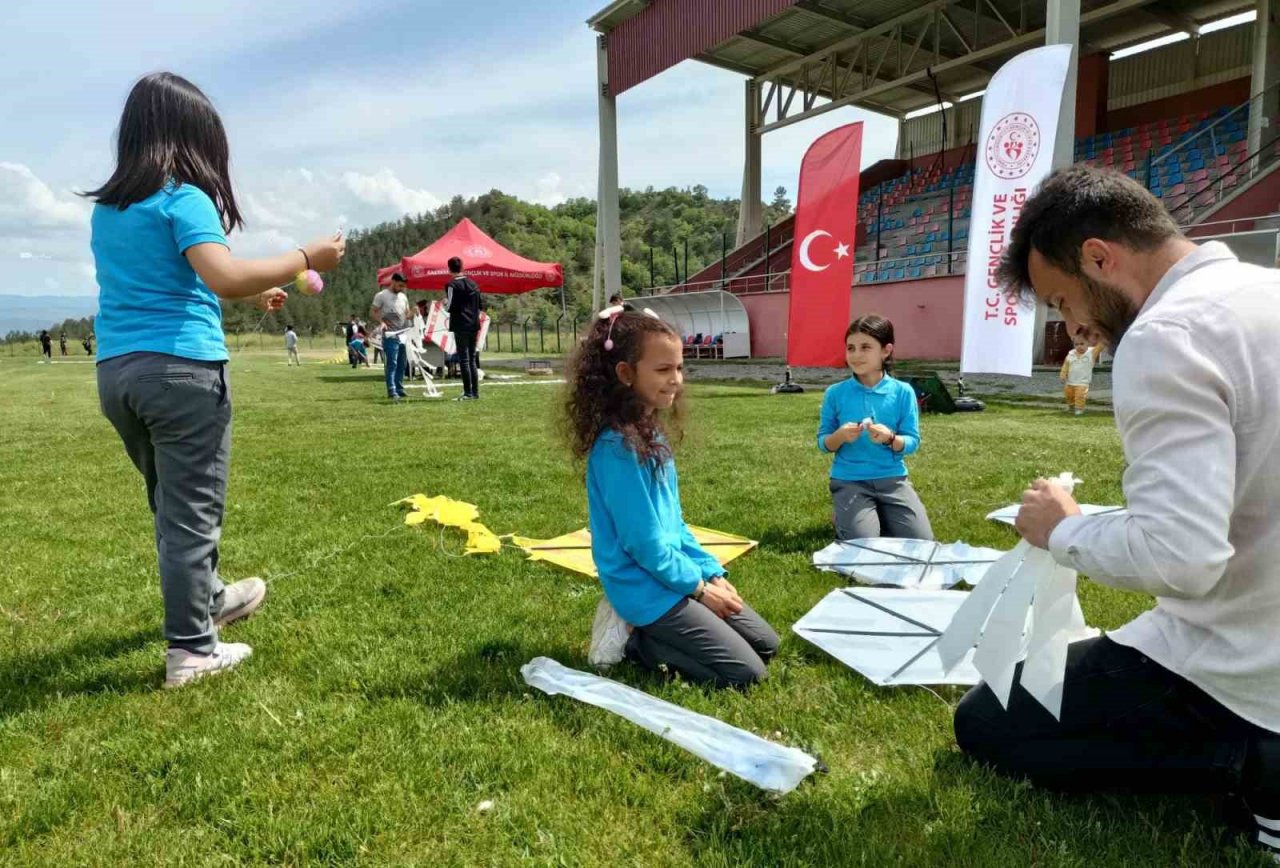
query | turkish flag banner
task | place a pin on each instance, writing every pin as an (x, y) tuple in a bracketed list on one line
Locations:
[(822, 252)]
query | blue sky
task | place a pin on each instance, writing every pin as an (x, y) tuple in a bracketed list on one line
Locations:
[(351, 114)]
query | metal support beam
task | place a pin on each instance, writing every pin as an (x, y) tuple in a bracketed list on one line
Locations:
[(1264, 114), (1001, 49), (750, 209), (1062, 27), (608, 225)]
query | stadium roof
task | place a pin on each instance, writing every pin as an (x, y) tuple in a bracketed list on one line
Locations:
[(811, 56)]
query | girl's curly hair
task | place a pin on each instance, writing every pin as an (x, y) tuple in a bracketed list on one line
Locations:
[(597, 400)]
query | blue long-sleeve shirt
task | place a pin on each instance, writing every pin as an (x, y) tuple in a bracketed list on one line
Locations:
[(891, 403), (647, 557)]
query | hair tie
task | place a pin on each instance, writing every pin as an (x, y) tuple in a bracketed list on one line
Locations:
[(612, 314)]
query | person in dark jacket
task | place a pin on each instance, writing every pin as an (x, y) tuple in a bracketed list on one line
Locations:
[(463, 301)]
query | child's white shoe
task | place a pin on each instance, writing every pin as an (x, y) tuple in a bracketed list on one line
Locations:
[(609, 635), (182, 667)]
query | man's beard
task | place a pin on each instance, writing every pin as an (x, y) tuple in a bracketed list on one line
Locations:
[(1110, 310)]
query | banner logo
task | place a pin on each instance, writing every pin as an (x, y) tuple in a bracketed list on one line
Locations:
[(478, 250), (1013, 145)]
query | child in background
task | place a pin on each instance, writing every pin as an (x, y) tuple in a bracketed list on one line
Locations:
[(358, 346), (1077, 374), (291, 346), (159, 239), (625, 382), (870, 421)]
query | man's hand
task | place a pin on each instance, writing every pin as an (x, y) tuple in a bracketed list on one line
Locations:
[(271, 299), (1044, 505)]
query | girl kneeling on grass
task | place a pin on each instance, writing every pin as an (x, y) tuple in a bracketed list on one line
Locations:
[(622, 412), (159, 238), (870, 421)]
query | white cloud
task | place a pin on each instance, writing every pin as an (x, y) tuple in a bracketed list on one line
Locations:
[(384, 188), (259, 213), (548, 190), (26, 202)]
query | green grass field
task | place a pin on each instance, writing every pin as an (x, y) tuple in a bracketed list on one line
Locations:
[(384, 701)]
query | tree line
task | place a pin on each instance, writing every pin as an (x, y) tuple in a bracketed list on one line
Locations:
[(666, 235)]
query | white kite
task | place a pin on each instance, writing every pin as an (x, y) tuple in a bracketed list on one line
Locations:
[(1024, 607), (888, 635), (1009, 514), (770, 766), (906, 563)]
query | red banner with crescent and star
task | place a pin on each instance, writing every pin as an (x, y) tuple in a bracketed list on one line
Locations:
[(822, 251)]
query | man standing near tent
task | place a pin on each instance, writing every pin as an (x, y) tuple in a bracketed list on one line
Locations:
[(462, 300), (391, 308), (1186, 697)]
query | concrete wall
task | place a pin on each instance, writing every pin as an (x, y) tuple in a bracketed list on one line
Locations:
[(926, 316)]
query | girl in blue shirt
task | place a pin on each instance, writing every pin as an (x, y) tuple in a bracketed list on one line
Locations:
[(870, 421), (622, 412), (159, 239)]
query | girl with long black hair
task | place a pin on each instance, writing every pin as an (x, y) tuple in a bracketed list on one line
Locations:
[(159, 238)]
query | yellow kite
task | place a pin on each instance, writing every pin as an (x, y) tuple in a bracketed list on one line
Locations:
[(573, 550), (453, 513)]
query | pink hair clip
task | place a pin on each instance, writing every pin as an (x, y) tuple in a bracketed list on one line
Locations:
[(612, 314)]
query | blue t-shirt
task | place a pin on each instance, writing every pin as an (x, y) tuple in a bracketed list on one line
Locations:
[(150, 299), (891, 403), (647, 557)]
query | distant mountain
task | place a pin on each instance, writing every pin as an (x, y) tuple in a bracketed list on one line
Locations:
[(35, 312)]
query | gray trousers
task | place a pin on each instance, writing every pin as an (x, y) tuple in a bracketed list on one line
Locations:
[(703, 647), (174, 416), (878, 507)]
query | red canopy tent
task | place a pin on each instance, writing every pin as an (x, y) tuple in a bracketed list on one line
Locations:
[(485, 261)]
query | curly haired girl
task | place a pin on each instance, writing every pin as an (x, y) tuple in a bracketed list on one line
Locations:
[(621, 414)]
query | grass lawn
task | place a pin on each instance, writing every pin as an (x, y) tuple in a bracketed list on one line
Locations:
[(384, 702)]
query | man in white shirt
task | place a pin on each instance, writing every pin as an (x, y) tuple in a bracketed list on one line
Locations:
[(391, 309), (1186, 697)]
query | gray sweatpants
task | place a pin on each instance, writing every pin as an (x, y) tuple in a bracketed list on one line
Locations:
[(174, 416), (878, 507), (703, 647)]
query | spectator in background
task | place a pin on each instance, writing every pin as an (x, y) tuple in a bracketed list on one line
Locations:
[(87, 343), (348, 335), (462, 300), (391, 308), (46, 345), (291, 346), (62, 342)]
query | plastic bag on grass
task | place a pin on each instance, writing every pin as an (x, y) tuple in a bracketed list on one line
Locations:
[(770, 766)]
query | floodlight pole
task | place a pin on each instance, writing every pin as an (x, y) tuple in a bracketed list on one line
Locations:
[(750, 214), (608, 227), (1061, 27)]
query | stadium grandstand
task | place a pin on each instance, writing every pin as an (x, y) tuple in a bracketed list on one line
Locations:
[(1182, 95)]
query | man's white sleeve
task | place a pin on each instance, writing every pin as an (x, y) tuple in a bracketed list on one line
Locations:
[(1173, 407)]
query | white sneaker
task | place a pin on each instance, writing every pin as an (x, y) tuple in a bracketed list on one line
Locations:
[(609, 635), (182, 666), (239, 600)]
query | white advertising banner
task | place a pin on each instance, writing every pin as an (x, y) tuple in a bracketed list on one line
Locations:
[(1019, 128)]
